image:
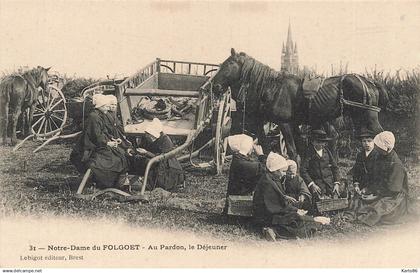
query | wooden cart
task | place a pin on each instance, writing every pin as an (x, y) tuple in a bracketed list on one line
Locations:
[(167, 78)]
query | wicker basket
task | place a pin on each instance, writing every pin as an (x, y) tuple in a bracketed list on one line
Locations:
[(239, 205), (324, 205)]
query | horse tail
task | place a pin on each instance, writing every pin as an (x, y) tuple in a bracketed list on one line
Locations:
[(6, 87)]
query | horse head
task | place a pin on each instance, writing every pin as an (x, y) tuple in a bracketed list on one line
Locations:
[(229, 72), (41, 77)]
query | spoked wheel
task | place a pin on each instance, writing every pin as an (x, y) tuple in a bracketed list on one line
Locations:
[(224, 122), (50, 114)]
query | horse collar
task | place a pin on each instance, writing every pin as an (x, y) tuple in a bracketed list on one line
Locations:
[(362, 105)]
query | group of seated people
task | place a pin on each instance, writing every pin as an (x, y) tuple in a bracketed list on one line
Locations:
[(284, 196), (104, 149)]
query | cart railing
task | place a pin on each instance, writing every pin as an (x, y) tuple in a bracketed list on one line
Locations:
[(100, 87), (189, 68), (131, 82), (125, 88)]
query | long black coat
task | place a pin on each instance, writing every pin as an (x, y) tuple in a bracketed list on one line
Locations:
[(392, 191), (271, 208), (363, 170), (321, 170), (389, 174), (91, 150), (168, 173), (244, 173), (295, 187), (269, 199)]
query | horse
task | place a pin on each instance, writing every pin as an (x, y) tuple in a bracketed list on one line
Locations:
[(18, 93), (266, 95)]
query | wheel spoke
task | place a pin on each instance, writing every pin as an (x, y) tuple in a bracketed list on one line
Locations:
[(51, 125), (55, 123), (57, 117), (36, 122), (37, 114), (40, 126), (40, 104), (51, 102), (46, 125), (38, 110), (43, 99), (49, 98), (43, 104), (56, 104)]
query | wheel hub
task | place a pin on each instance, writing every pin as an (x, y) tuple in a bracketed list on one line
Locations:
[(48, 114)]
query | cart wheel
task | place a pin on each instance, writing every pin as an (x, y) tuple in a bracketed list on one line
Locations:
[(224, 122), (50, 113)]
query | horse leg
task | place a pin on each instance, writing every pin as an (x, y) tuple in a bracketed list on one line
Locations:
[(288, 135), (332, 144), (301, 142), (4, 118), (16, 111), (30, 119)]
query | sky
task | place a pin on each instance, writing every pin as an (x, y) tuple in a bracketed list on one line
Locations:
[(117, 38)]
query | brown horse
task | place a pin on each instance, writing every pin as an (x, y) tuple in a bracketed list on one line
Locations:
[(17, 93), (267, 95)]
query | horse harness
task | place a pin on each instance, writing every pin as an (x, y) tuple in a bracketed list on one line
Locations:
[(364, 105), (316, 85)]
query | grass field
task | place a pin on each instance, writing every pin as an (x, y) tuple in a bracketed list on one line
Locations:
[(44, 184)]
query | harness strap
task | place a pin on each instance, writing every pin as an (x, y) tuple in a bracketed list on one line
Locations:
[(244, 112), (363, 105), (311, 98), (364, 86)]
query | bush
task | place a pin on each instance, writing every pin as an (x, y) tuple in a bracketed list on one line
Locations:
[(74, 87), (401, 114)]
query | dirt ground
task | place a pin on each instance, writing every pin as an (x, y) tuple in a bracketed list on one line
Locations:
[(44, 184)]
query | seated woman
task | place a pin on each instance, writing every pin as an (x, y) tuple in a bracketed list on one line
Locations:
[(363, 167), (100, 146), (296, 188), (274, 210), (168, 173), (244, 170), (319, 168), (388, 202)]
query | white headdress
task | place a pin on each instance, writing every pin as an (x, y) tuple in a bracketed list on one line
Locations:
[(291, 163), (276, 162), (154, 128), (99, 100), (385, 140), (241, 143), (112, 99)]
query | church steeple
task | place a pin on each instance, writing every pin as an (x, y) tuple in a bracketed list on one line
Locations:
[(289, 57), (289, 41)]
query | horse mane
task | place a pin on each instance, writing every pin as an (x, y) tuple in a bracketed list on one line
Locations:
[(32, 77), (256, 73), (258, 76)]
